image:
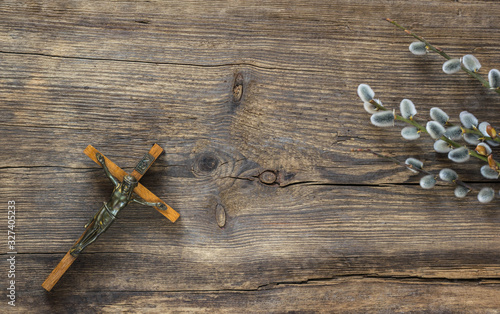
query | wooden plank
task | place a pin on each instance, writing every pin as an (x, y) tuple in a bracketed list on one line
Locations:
[(344, 294), (241, 94), (332, 231), (254, 131)]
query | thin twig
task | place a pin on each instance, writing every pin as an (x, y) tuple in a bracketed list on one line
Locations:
[(402, 164), (441, 52)]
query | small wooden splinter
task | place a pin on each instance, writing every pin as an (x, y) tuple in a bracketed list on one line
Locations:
[(125, 184)]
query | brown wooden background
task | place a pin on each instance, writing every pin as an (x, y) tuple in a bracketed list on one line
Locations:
[(232, 89)]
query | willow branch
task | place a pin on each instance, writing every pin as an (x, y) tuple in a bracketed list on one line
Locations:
[(441, 52), (402, 164), (422, 129)]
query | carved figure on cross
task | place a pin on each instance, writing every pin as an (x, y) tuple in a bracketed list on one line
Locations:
[(121, 196)]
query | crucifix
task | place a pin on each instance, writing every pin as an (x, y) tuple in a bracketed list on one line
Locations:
[(127, 189)]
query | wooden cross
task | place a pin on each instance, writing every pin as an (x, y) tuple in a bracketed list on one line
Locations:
[(140, 190)]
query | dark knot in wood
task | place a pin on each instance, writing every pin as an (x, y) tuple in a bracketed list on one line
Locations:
[(206, 162)]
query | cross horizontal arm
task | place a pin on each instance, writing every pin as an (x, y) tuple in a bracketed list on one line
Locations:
[(140, 190)]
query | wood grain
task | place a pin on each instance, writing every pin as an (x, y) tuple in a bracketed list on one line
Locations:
[(348, 295), (255, 104)]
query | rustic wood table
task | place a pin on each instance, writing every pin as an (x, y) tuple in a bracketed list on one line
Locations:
[(256, 107)]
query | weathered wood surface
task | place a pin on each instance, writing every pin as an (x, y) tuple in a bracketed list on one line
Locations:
[(234, 90)]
